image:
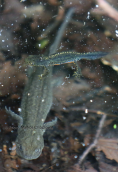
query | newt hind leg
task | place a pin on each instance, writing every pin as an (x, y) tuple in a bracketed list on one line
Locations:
[(46, 72), (77, 73)]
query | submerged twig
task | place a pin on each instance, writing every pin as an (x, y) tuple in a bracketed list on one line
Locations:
[(56, 43), (96, 138)]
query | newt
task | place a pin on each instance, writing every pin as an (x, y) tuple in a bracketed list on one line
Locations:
[(63, 57), (35, 105)]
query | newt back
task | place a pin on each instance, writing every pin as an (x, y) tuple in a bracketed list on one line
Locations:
[(62, 57)]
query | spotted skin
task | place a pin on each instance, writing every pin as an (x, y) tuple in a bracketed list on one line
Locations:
[(63, 57)]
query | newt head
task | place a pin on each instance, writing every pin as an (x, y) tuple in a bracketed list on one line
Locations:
[(29, 61), (36, 60), (29, 144)]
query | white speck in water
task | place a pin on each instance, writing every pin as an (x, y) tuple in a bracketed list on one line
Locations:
[(84, 117), (42, 120), (116, 33), (2, 85), (97, 6), (28, 94), (105, 101), (3, 40), (25, 15), (73, 67), (19, 109), (57, 164), (33, 132), (43, 100), (38, 138), (73, 102), (38, 26), (39, 45), (43, 30), (88, 17), (64, 108), (63, 83), (25, 7), (86, 110), (63, 141), (75, 156), (52, 150), (91, 100), (83, 144), (20, 67), (0, 150), (67, 77)]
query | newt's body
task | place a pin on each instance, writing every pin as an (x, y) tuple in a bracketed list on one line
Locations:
[(35, 105), (63, 57)]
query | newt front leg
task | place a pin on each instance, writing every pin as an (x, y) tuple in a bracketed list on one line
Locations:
[(77, 73), (47, 70)]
